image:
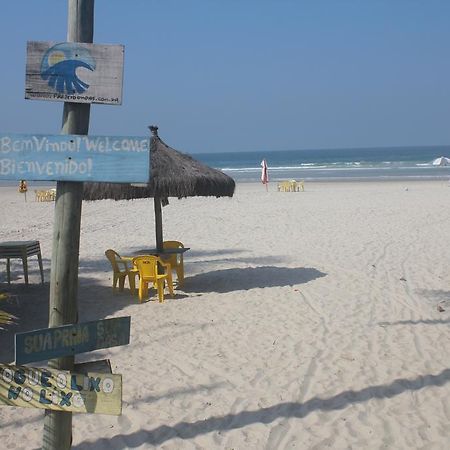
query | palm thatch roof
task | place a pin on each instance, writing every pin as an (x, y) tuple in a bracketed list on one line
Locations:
[(173, 174)]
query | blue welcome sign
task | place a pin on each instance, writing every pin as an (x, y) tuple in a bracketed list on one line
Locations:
[(74, 72), (49, 343), (115, 159)]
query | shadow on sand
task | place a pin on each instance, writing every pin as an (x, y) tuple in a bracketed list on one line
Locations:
[(186, 430), (31, 305), (416, 322), (229, 280), (434, 294)]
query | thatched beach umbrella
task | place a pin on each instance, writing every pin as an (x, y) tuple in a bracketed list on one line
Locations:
[(173, 174)]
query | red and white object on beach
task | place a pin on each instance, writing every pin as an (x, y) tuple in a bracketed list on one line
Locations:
[(264, 173)]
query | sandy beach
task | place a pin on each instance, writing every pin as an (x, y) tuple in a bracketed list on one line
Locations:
[(308, 320)]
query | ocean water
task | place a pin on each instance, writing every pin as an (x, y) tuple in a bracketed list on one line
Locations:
[(386, 163), (334, 164)]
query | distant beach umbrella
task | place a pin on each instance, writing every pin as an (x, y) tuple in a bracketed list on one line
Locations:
[(442, 161), (264, 173), (23, 188), (173, 174)]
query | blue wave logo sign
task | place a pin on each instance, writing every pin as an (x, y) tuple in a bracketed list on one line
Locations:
[(59, 67)]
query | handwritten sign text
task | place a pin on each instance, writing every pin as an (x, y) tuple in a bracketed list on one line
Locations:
[(60, 390), (49, 343), (119, 159)]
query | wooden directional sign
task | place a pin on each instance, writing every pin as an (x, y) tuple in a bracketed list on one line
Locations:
[(115, 159), (60, 390), (49, 343), (74, 72)]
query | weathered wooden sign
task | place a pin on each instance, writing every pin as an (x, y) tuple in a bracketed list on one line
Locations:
[(99, 366), (49, 343), (74, 72), (60, 390), (117, 159)]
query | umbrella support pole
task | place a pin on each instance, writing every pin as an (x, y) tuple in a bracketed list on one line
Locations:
[(158, 228), (158, 223)]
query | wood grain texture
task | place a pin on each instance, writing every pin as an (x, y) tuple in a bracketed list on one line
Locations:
[(97, 67)]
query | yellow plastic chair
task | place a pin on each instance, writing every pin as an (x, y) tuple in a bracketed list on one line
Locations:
[(291, 186), (46, 195), (39, 196), (296, 186), (148, 273), (51, 195), (121, 271), (284, 186), (6, 319), (176, 260)]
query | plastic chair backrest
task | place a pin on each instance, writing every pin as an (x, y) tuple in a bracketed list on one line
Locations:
[(147, 266), (173, 244), (173, 260), (112, 255)]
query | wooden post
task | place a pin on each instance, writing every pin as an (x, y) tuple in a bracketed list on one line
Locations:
[(66, 233)]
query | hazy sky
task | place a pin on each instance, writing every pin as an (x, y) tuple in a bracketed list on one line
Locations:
[(244, 75)]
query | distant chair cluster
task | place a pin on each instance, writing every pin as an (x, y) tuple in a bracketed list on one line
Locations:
[(291, 186), (48, 195)]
